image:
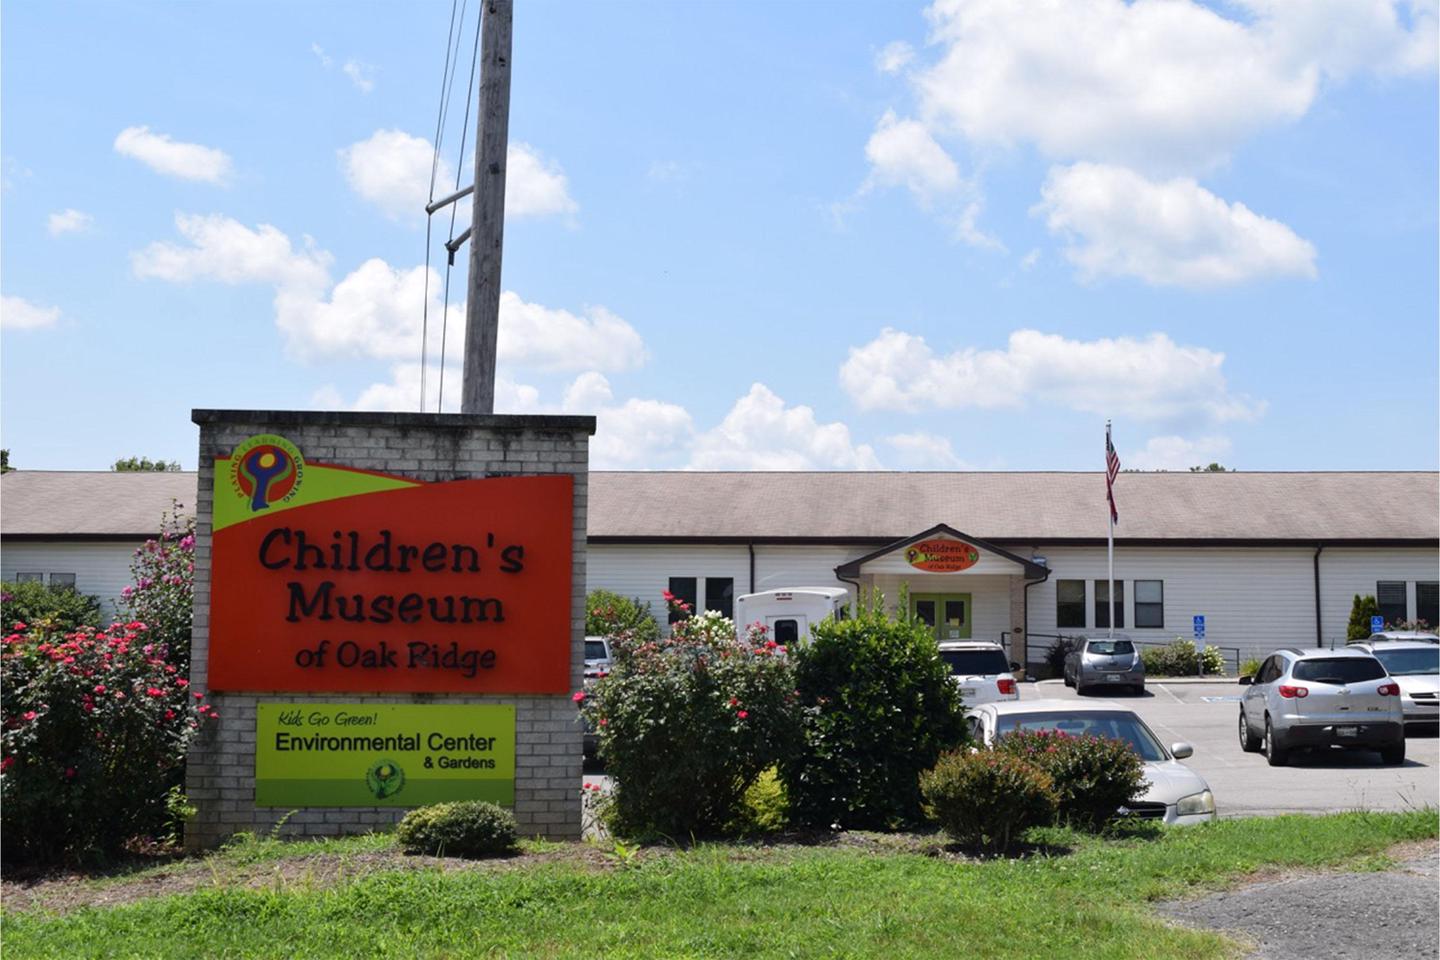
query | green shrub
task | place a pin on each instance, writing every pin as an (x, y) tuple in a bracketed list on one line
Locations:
[(93, 731), (1056, 655), (466, 828), (1181, 659), (1093, 776), (609, 614), (687, 724), (879, 708), (985, 798), (1361, 610), (765, 808), (1250, 667), (59, 609)]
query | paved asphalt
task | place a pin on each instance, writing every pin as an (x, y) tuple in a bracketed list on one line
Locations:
[(1205, 716)]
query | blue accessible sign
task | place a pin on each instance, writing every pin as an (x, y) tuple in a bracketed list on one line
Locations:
[(1199, 620), (1377, 624)]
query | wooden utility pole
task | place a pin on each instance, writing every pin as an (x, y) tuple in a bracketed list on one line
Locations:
[(487, 239)]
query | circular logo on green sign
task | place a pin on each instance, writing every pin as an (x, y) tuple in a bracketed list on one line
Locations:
[(385, 779)]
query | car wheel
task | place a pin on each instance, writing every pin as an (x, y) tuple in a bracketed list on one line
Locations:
[(1394, 754), (1248, 741), (1066, 675), (1273, 753), (1139, 689)]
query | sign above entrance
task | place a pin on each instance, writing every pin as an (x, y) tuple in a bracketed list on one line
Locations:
[(941, 556), (325, 578)]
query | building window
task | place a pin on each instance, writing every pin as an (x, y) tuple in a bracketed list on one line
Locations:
[(1069, 603), (1390, 594), (1102, 604), (29, 578), (1427, 602), (683, 590), (1149, 603), (62, 580), (720, 595)]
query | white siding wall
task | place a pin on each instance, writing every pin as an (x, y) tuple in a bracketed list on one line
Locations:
[(1346, 571), (101, 568), (778, 567), (644, 571), (1252, 598)]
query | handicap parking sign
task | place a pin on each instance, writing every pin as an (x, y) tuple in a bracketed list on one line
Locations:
[(1199, 626), (1377, 624)]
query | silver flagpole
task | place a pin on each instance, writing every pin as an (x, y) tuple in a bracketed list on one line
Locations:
[(1110, 541)]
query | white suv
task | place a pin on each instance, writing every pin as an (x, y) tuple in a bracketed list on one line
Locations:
[(981, 671)]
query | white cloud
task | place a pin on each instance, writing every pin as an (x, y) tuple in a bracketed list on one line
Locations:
[(321, 55), (894, 56), (925, 451), (761, 433), (391, 169), (635, 434), (227, 251), (544, 338), (376, 310), (188, 161), (903, 153), (535, 186), (1177, 453), (1146, 379), (17, 313), (69, 221), (360, 74), (1173, 232), (1160, 85)]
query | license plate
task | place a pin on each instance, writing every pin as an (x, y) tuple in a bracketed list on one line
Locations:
[(1346, 731), (1113, 677), (967, 691)]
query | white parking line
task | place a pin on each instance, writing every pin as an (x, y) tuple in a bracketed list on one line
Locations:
[(1167, 690)]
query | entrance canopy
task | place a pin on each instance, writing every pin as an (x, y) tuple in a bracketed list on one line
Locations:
[(940, 550)]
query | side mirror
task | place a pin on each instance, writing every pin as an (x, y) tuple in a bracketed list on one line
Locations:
[(1246, 681), (1014, 665), (1181, 750)]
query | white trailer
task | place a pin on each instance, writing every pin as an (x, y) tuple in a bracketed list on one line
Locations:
[(789, 614)]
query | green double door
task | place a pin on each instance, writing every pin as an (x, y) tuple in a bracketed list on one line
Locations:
[(948, 614)]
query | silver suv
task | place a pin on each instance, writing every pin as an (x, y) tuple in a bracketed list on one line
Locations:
[(1321, 698), (1111, 662)]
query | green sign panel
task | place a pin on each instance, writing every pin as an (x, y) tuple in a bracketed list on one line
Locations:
[(382, 755)]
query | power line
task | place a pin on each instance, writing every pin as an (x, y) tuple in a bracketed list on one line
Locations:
[(459, 166), (447, 81)]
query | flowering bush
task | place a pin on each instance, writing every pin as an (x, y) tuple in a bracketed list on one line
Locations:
[(162, 595), (1181, 659), (986, 798), (609, 614), (55, 608), (1093, 776), (93, 730), (688, 723), (879, 707)]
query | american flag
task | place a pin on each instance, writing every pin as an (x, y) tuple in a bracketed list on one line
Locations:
[(1112, 469)]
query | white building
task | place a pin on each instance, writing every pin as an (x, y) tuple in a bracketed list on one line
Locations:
[(1268, 559)]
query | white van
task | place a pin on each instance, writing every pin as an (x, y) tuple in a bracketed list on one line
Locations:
[(789, 614)]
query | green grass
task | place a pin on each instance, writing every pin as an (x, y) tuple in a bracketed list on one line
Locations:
[(725, 901)]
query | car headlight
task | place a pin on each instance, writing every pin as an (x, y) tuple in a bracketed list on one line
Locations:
[(1202, 802)]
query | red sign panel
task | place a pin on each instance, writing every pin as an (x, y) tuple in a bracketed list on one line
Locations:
[(461, 586), (941, 556)]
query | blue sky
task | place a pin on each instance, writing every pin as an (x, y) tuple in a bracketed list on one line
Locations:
[(745, 236)]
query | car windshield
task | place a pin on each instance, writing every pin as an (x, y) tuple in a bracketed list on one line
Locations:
[(1114, 724), (1110, 648), (594, 649), (975, 663), (1339, 670), (1410, 663)]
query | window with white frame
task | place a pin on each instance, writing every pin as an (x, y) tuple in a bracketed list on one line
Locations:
[(62, 580), (1069, 604), (719, 594), (1390, 595), (1102, 604), (1427, 602), (1149, 603)]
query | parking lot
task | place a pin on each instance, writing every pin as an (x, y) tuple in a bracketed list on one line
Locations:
[(1204, 714)]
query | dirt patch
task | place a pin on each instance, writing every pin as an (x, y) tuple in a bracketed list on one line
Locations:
[(62, 893)]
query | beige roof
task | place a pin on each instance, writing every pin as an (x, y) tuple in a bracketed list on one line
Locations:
[(100, 504), (858, 507), (1017, 507)]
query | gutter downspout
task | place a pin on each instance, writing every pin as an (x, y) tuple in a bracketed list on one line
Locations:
[(1026, 615), (751, 548), (1319, 636)]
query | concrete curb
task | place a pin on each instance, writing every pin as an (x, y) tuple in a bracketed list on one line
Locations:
[(1168, 681)]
